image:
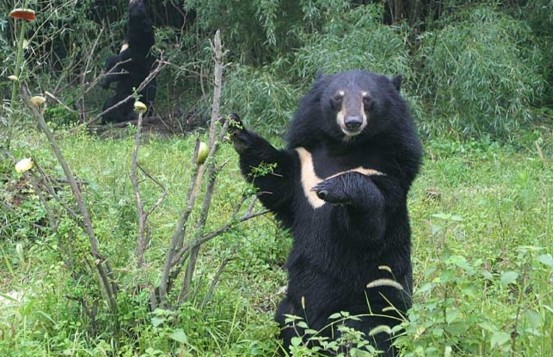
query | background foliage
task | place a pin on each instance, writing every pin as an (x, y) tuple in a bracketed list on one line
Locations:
[(470, 68), (478, 75)]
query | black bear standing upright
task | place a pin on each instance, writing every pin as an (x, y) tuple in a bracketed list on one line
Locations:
[(341, 187), (131, 66)]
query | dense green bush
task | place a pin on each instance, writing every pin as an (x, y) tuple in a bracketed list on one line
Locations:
[(479, 74), (355, 39), (265, 101), (350, 39)]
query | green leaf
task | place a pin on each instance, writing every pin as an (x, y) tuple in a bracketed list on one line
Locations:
[(425, 288), (354, 352), (451, 315), (296, 341), (546, 259), (499, 338), (457, 328), (487, 275), (486, 325), (179, 336), (156, 321), (461, 262), (448, 217), (532, 318), (508, 277)]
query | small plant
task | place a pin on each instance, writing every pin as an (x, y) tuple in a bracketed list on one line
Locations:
[(345, 339), (21, 16), (264, 169)]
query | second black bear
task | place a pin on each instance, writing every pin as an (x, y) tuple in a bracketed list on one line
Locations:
[(341, 188), (131, 66)]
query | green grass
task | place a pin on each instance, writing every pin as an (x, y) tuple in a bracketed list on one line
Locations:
[(482, 248)]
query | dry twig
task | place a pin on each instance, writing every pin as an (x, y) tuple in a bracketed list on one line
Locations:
[(143, 236), (160, 64), (181, 256), (102, 265)]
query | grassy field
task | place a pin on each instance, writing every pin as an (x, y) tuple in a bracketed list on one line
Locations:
[(482, 253)]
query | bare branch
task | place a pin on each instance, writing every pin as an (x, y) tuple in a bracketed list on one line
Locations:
[(212, 134), (179, 234), (162, 196), (111, 72), (47, 93), (160, 64), (178, 253), (142, 238), (102, 266), (215, 280)]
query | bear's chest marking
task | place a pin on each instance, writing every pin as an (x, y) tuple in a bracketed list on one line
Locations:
[(309, 178)]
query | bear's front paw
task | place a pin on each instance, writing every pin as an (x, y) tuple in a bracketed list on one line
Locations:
[(238, 135), (332, 191)]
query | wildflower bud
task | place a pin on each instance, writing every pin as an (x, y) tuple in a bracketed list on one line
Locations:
[(13, 78)]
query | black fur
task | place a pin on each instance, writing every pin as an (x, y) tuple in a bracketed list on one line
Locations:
[(131, 66), (339, 247)]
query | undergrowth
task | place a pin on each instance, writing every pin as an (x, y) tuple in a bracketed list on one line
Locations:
[(482, 227)]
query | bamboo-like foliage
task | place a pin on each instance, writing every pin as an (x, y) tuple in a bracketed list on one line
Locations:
[(480, 75)]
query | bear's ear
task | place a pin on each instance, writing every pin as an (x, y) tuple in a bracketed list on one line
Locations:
[(319, 75), (397, 82)]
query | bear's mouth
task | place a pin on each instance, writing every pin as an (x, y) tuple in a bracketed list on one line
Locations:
[(351, 133)]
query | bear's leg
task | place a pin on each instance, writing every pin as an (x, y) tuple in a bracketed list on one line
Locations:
[(287, 331), (122, 112)]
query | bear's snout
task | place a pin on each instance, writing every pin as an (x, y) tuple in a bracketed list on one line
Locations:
[(353, 122)]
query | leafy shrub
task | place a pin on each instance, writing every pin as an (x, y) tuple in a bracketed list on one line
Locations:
[(349, 342), (456, 313), (349, 39), (479, 75), (355, 39), (263, 100)]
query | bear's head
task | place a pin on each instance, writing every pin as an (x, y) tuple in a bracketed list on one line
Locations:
[(348, 107)]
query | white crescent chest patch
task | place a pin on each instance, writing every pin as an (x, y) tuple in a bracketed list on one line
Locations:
[(309, 178)]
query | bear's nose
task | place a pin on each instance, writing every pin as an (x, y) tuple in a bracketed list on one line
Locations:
[(353, 122)]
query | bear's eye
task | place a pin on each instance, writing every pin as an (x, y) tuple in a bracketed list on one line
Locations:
[(337, 99), (367, 101)]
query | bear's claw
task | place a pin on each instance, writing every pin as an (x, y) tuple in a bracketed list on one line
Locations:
[(330, 191), (238, 135)]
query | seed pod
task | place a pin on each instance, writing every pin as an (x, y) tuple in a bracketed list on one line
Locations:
[(203, 151), (38, 100), (24, 165), (140, 107)]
